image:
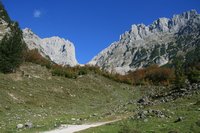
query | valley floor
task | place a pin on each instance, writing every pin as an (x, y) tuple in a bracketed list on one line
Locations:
[(49, 102), (33, 95)]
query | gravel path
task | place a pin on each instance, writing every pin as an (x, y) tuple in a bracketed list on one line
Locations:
[(76, 128)]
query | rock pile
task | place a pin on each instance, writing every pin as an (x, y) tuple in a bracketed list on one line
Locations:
[(143, 114), (188, 90)]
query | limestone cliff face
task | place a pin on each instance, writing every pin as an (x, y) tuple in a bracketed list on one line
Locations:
[(57, 49)]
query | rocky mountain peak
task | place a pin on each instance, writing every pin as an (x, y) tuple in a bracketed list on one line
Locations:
[(163, 24), (27, 30), (189, 14), (144, 45)]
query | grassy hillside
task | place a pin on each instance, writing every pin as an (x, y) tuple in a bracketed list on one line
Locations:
[(33, 94), (181, 116)]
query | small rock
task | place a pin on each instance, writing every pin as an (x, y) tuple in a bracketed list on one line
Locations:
[(20, 126), (195, 86), (28, 125), (63, 126), (145, 112), (162, 116), (179, 119), (173, 113), (55, 125), (38, 126), (73, 119), (95, 114), (145, 120), (150, 111), (7, 107), (144, 101)]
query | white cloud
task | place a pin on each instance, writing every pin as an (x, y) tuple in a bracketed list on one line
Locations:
[(37, 13)]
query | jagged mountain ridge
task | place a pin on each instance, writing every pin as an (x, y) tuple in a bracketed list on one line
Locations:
[(146, 45), (57, 49)]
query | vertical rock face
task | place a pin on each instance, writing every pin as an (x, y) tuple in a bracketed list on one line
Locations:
[(59, 50), (145, 45), (4, 22), (4, 28)]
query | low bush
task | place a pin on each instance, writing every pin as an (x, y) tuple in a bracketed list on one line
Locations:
[(194, 75), (159, 75), (154, 75), (35, 57), (67, 72)]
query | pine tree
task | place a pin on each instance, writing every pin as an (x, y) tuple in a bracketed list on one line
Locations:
[(12, 47), (4, 15), (179, 72)]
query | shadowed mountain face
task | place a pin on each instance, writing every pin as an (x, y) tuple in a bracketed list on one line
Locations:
[(158, 43)]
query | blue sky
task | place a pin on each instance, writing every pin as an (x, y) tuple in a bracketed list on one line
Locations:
[(91, 25)]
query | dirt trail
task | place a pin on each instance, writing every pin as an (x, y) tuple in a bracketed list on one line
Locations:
[(76, 128)]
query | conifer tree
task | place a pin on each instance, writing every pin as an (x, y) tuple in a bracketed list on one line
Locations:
[(179, 72), (12, 46), (3, 13)]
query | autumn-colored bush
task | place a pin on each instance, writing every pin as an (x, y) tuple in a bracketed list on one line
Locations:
[(151, 75), (159, 75), (137, 77), (35, 57), (74, 72)]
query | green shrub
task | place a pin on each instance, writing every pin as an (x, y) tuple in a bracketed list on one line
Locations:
[(67, 72), (194, 75), (82, 71)]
